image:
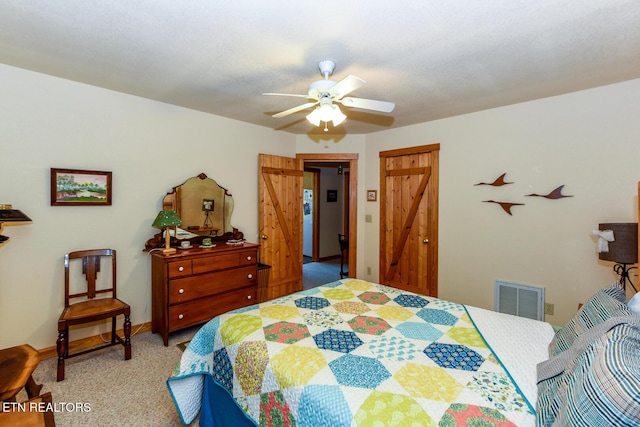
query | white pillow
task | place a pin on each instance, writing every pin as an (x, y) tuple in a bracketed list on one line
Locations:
[(634, 304)]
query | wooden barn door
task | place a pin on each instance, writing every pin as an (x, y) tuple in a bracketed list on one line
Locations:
[(280, 222), (409, 219)]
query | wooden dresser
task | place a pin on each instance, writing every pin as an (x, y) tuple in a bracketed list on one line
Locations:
[(193, 286)]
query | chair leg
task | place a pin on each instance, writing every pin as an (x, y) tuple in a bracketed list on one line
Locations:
[(61, 347), (33, 388), (113, 330), (127, 337)]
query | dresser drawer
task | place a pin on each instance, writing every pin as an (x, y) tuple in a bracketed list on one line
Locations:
[(179, 268), (189, 288), (224, 261), (248, 257), (204, 309)]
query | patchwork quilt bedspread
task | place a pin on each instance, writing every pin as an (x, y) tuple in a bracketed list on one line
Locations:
[(351, 353)]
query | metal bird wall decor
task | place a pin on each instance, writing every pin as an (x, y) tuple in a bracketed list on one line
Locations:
[(499, 182), (506, 206), (555, 194)]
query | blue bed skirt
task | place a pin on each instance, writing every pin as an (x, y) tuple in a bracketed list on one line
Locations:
[(219, 409)]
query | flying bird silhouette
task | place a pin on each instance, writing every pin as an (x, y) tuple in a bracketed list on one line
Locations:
[(497, 183), (555, 194), (505, 205)]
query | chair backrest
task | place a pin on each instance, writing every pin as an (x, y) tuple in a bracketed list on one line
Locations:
[(344, 243), (90, 268)]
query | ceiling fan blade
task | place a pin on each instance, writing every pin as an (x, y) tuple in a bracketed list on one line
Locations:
[(286, 94), (294, 109), (345, 86), (368, 104)]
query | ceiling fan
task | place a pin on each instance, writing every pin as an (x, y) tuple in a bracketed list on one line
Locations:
[(326, 93)]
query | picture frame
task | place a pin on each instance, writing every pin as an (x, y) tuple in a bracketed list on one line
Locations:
[(372, 195), (76, 187), (208, 205), (332, 195)]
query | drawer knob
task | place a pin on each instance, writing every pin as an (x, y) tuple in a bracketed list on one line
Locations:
[(249, 258), (180, 316), (180, 268), (181, 291), (250, 276), (248, 296)]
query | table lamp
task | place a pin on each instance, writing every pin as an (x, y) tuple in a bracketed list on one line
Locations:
[(166, 219), (8, 214), (622, 250)]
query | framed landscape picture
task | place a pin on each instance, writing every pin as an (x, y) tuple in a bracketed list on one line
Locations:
[(73, 187)]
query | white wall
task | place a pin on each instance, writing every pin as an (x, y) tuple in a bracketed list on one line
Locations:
[(149, 146), (588, 141)]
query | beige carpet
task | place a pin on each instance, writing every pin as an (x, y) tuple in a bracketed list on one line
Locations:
[(110, 391), (116, 392)]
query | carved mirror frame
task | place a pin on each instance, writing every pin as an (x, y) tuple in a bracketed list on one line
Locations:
[(209, 216)]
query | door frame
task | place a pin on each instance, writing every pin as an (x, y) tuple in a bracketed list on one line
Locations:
[(352, 159)]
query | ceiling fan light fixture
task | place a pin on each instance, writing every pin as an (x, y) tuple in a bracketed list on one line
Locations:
[(324, 94), (338, 116), (326, 113), (314, 117)]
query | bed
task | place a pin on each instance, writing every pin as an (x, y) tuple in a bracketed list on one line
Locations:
[(354, 352)]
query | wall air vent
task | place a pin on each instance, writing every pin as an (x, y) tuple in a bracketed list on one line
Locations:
[(519, 300)]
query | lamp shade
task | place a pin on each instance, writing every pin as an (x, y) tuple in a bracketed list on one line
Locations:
[(314, 117), (326, 113), (7, 214), (624, 248), (338, 116), (167, 218)]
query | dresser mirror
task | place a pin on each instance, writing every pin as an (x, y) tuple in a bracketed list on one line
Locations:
[(205, 209)]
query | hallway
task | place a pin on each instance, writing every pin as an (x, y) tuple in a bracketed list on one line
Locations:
[(318, 273)]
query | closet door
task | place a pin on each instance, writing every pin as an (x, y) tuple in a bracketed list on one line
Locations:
[(409, 219), (280, 222)]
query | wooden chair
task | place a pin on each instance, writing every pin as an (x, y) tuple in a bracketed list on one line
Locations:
[(35, 412), (16, 366), (344, 247), (90, 308)]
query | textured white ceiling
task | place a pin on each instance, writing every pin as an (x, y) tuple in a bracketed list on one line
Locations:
[(434, 59)]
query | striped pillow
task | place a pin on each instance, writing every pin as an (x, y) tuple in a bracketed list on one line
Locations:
[(634, 304), (608, 302), (601, 386)]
